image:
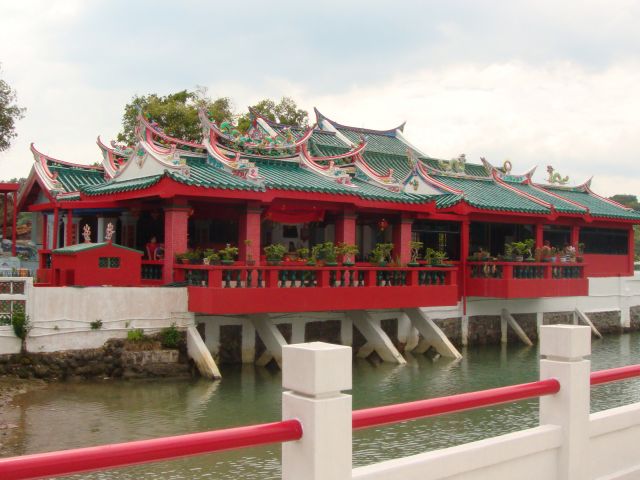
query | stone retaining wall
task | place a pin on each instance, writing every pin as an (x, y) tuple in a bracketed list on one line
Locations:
[(116, 359)]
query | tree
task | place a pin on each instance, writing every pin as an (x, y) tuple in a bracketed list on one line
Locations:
[(176, 113), (630, 201), (285, 112), (10, 112)]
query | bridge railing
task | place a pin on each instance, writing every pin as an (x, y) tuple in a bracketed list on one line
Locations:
[(317, 426)]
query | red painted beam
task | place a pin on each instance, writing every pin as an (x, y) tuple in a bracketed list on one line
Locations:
[(131, 453), (377, 416), (615, 374)]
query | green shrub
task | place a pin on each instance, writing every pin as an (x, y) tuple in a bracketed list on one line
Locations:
[(21, 324), (96, 325), (135, 335), (170, 336)]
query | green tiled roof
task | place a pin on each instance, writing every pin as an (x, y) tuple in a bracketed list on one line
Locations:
[(472, 169), (377, 142), (381, 163), (488, 195), (596, 206), (73, 178), (447, 200), (558, 204), (83, 247), (123, 186), (327, 138)]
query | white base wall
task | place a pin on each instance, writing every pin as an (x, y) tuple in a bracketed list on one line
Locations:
[(61, 316)]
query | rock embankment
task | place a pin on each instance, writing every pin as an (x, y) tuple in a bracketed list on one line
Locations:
[(116, 359)]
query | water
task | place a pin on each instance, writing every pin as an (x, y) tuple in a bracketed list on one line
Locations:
[(74, 415)]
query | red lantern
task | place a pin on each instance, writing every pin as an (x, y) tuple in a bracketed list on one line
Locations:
[(383, 224)]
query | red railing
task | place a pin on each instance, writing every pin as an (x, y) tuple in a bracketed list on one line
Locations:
[(374, 417), (131, 453), (144, 451)]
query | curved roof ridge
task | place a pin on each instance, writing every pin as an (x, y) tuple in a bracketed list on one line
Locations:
[(63, 163), (390, 132)]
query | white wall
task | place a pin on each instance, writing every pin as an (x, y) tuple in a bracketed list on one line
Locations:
[(61, 316)]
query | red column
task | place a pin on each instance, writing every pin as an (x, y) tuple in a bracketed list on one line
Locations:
[(402, 240), (175, 236), (4, 213), (15, 217), (68, 234), (346, 227), (575, 235), (54, 238), (631, 253), (539, 235), (464, 254), (249, 229)]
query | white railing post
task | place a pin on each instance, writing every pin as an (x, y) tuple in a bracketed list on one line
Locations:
[(565, 347), (316, 373)]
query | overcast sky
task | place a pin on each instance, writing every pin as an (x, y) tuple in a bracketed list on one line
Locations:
[(536, 82)]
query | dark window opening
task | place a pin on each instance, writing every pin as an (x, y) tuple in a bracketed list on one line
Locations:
[(558, 236), (491, 237), (109, 262), (444, 236), (605, 241)]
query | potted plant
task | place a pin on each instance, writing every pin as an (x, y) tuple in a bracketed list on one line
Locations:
[(435, 258), (580, 252), (191, 256), (348, 252), (182, 257), (303, 255), (508, 252), (329, 253), (415, 248), (381, 254), (250, 260), (274, 253), (228, 254)]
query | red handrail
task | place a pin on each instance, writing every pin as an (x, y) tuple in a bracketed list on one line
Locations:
[(614, 374), (131, 453), (374, 417)]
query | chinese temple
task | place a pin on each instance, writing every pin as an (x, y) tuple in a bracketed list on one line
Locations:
[(495, 233)]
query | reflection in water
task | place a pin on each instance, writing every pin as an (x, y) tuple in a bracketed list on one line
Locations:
[(74, 415)]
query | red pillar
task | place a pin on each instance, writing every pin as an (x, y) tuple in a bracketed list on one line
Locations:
[(346, 228), (15, 217), (4, 213), (54, 238), (575, 235), (464, 254), (402, 240), (175, 236), (45, 226), (68, 234), (249, 229), (631, 253), (539, 235)]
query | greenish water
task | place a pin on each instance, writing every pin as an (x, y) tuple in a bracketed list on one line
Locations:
[(65, 416)]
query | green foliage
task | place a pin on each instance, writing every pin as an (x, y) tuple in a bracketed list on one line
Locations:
[(228, 253), (10, 113), (96, 324), (630, 201), (170, 337), (435, 257), (286, 112), (326, 251), (381, 253), (135, 335), (176, 113), (303, 253), (21, 324), (415, 247), (275, 251)]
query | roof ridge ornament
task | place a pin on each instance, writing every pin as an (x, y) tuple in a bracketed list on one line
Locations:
[(455, 165), (555, 177)]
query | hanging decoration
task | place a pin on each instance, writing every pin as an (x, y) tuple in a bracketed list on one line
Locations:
[(382, 225)]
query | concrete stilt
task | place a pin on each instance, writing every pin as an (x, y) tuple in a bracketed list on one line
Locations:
[(464, 330), (346, 331), (201, 355), (503, 329), (413, 340), (508, 319), (376, 337), (581, 316), (422, 347), (297, 331), (270, 335), (365, 350), (432, 333), (539, 320), (248, 342)]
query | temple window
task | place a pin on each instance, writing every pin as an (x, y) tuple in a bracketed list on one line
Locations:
[(607, 241)]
